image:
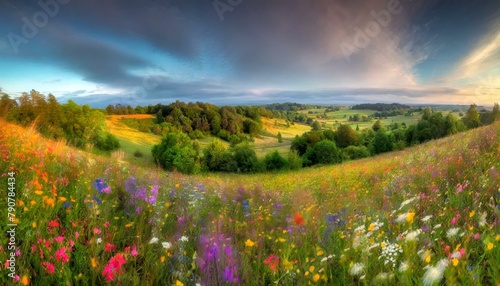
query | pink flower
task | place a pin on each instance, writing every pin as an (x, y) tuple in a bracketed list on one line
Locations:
[(97, 231), (77, 234), (61, 255), (59, 239), (49, 267), (53, 223), (454, 220), (113, 267), (106, 224), (109, 247), (134, 250)]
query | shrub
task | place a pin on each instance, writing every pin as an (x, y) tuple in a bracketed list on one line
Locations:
[(355, 152)]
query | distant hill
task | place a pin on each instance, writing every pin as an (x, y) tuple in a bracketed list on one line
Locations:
[(380, 106)]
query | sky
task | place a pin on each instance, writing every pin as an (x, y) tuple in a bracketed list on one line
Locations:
[(230, 52)]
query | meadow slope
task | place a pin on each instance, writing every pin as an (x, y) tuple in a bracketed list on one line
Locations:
[(426, 215)]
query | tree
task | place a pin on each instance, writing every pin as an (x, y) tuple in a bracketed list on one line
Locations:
[(245, 158), (274, 161), (280, 138), (316, 126), (377, 126), (381, 143), (213, 155), (176, 152), (495, 113), (294, 160), (326, 152), (426, 113), (472, 118), (159, 117), (345, 136)]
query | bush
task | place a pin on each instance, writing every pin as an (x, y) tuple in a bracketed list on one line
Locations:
[(294, 160), (355, 152), (274, 161), (138, 154), (108, 143), (326, 152), (176, 152), (245, 158)]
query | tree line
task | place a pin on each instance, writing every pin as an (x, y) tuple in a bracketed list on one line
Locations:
[(177, 151), (78, 125)]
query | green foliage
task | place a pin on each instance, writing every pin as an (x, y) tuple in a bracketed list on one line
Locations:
[(377, 126), (107, 143), (381, 143), (355, 152), (316, 126), (176, 152), (325, 152), (280, 137), (245, 158), (214, 158), (472, 119), (274, 161), (345, 136), (294, 160)]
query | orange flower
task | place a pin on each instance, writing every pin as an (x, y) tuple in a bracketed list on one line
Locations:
[(299, 220)]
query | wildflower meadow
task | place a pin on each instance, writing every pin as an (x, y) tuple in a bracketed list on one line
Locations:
[(428, 215)]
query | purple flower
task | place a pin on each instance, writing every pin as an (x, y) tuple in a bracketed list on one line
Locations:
[(228, 275), (101, 186)]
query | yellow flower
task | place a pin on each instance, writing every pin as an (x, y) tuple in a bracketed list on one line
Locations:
[(319, 253), (25, 280), (472, 213), (371, 227), (489, 246), (33, 224), (382, 245), (32, 203), (50, 202), (497, 238), (93, 262), (129, 224), (281, 239), (249, 243), (178, 283), (61, 199), (454, 261), (38, 192), (316, 277), (428, 258), (311, 269), (162, 259), (410, 216)]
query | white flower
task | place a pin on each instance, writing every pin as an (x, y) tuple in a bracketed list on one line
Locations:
[(403, 267), (382, 276), (99, 240), (153, 240), (166, 245), (452, 232), (408, 201), (357, 269), (426, 218), (432, 275), (412, 236), (184, 239), (435, 274), (401, 218), (482, 219)]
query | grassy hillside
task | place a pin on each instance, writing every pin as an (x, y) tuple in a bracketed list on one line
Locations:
[(426, 215)]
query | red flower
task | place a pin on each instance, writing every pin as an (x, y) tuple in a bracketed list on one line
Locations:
[(53, 223), (113, 267), (299, 220), (273, 261)]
